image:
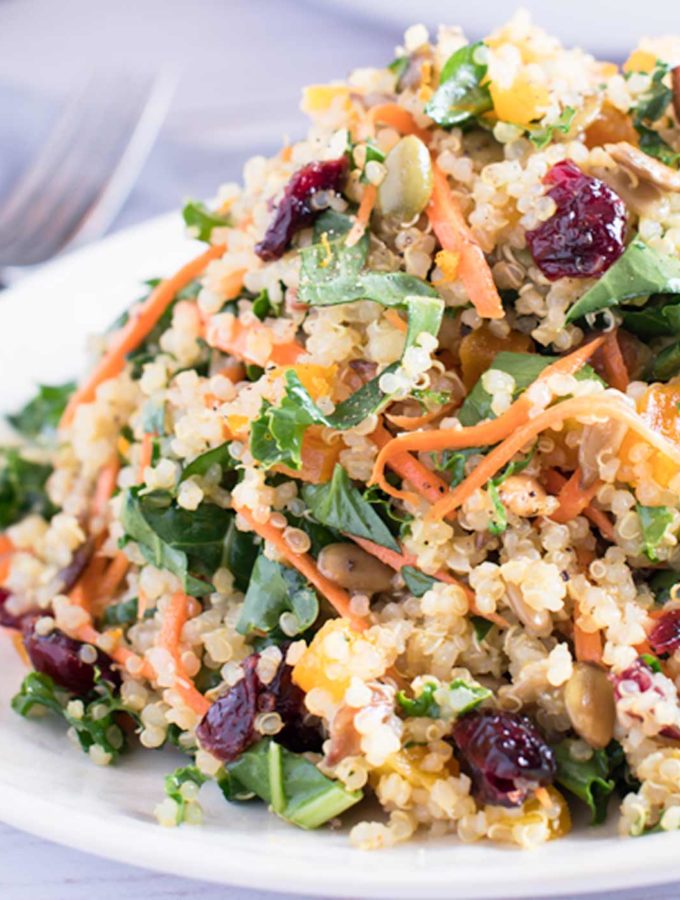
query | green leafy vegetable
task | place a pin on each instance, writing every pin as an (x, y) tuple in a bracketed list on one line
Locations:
[(177, 539), (291, 785), (201, 221), (334, 273), (652, 106), (445, 702), (123, 613), (524, 368), (653, 320), (639, 272), (399, 65), (153, 417), (22, 488), (41, 414), (241, 549), (416, 581), (542, 135), (590, 780), (461, 96), (653, 662), (340, 505), (263, 306), (275, 589), (666, 363), (373, 154), (454, 462), (218, 456), (662, 583), (176, 781), (653, 521), (94, 722), (277, 434), (481, 626)]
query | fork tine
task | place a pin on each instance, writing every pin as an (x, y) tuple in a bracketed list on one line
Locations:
[(109, 139)]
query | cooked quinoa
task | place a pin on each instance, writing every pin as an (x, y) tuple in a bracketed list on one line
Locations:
[(380, 496)]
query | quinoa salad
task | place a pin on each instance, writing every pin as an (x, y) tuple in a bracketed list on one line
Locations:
[(371, 510)]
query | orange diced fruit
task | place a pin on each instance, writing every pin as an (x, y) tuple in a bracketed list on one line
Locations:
[(479, 347)]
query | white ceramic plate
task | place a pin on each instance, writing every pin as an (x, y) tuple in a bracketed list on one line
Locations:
[(49, 788), (607, 27)]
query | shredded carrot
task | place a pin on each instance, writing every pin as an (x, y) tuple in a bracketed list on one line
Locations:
[(614, 363), (587, 644), (483, 434), (453, 233), (574, 498), (303, 562), (136, 328), (122, 655), (234, 370), (395, 320), (252, 343), (603, 406), (106, 485), (174, 616), (145, 455), (363, 215), (428, 484), (114, 575), (5, 565), (397, 561), (396, 117), (6, 545), (600, 520), (412, 423), (84, 591)]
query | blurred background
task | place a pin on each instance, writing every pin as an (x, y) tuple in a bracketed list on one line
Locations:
[(238, 67)]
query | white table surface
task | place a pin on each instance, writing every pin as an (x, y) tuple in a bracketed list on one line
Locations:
[(242, 65)]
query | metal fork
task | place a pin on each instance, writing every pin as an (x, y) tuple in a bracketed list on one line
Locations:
[(86, 167)]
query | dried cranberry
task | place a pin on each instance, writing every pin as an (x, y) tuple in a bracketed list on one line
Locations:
[(57, 655), (665, 635), (68, 576), (504, 754), (585, 235), (228, 728), (295, 210), (298, 734)]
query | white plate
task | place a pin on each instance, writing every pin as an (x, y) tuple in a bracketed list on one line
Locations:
[(606, 27), (49, 788)]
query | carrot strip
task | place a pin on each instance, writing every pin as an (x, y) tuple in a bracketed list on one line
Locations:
[(412, 423), (396, 117), (174, 617), (84, 591), (106, 485), (5, 565), (587, 644), (397, 561), (614, 363), (122, 655), (136, 328), (574, 498), (483, 434), (145, 455), (453, 233), (6, 545), (395, 320), (303, 562), (600, 520), (363, 215), (428, 484), (114, 575), (601, 406), (251, 343)]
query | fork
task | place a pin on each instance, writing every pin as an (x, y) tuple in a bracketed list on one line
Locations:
[(86, 167)]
